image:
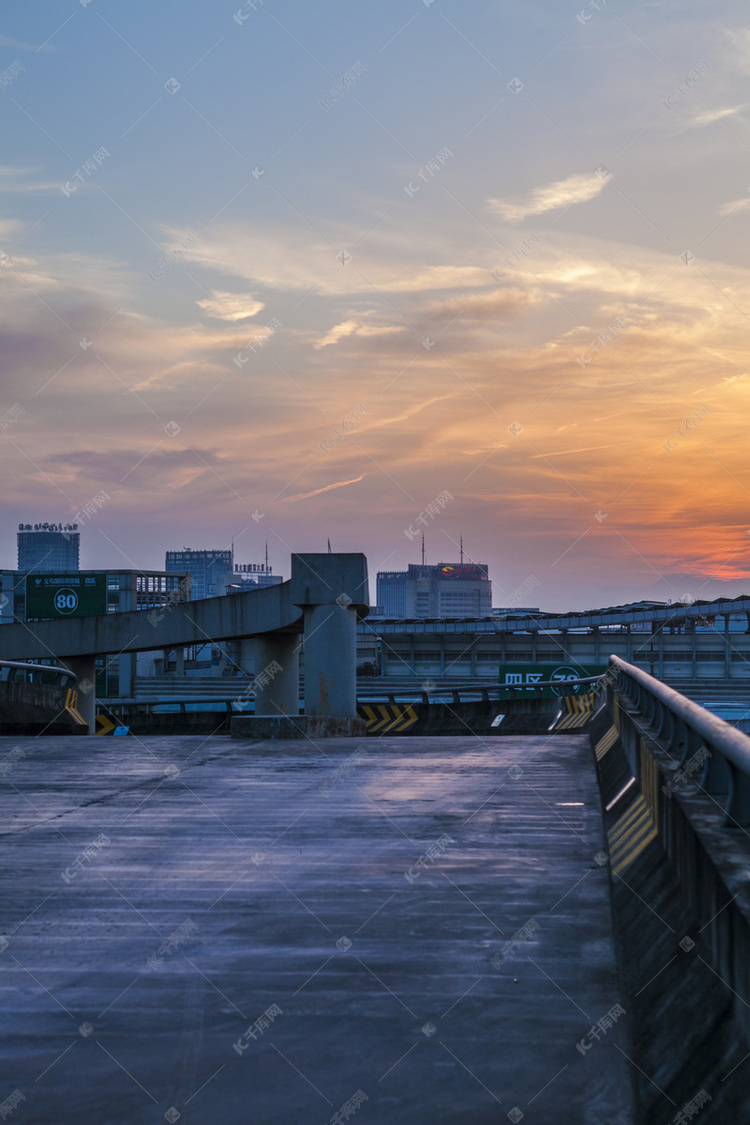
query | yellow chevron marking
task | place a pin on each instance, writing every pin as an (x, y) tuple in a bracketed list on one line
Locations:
[(631, 834), (574, 712), (576, 721), (575, 704), (104, 725), (605, 743), (571, 722), (639, 846), (71, 706), (641, 828), (383, 721), (408, 718), (623, 825), (384, 718)]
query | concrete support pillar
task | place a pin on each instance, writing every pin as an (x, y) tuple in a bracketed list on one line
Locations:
[(276, 661), (330, 661), (85, 669), (179, 660), (247, 652), (126, 663)]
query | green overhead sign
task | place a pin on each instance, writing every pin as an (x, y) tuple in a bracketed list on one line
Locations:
[(50, 596), (525, 677)]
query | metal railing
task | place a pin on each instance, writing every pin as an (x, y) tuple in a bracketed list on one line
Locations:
[(19, 671), (495, 694), (690, 733), (178, 706)]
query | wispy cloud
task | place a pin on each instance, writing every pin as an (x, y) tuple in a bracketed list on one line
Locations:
[(735, 205), (493, 307), (280, 257), (21, 180), (355, 328), (562, 193), (231, 306), (711, 115), (19, 45), (318, 491)]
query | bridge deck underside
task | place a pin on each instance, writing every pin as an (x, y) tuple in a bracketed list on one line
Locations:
[(168, 898)]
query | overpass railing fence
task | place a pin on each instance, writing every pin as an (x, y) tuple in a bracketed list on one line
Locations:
[(708, 749), (246, 702)]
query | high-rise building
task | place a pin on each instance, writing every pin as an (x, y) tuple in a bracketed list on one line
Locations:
[(48, 547), (445, 590), (391, 592), (254, 576), (210, 571)]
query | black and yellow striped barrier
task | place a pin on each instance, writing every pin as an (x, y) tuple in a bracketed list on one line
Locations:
[(631, 834), (605, 743), (387, 718), (71, 706), (575, 712)]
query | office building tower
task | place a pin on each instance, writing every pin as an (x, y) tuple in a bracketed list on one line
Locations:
[(48, 547), (210, 571), (444, 590)]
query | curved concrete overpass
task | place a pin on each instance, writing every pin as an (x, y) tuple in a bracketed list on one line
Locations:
[(321, 601)]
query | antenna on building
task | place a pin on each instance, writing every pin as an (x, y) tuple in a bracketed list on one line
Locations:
[(462, 550), (266, 556), (329, 546), (422, 548)]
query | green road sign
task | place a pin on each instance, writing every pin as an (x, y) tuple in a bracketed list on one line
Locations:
[(524, 677), (51, 596)]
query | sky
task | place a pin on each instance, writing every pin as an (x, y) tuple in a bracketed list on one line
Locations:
[(289, 272)]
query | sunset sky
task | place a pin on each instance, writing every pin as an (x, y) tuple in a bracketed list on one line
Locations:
[(291, 271)]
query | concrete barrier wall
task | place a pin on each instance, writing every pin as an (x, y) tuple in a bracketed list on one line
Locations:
[(174, 723), (521, 716), (35, 709), (681, 906)]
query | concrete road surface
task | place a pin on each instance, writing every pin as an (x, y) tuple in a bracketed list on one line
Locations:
[(391, 931)]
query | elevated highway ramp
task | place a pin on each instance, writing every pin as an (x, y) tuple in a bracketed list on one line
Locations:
[(393, 930)]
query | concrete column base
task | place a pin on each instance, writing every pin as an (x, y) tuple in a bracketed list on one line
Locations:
[(254, 727), (330, 660), (276, 683)]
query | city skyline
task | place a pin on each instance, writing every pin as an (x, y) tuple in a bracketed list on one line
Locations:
[(276, 274)]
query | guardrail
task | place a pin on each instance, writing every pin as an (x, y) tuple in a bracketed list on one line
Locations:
[(477, 694), (688, 732), (24, 672), (444, 695), (178, 706)]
